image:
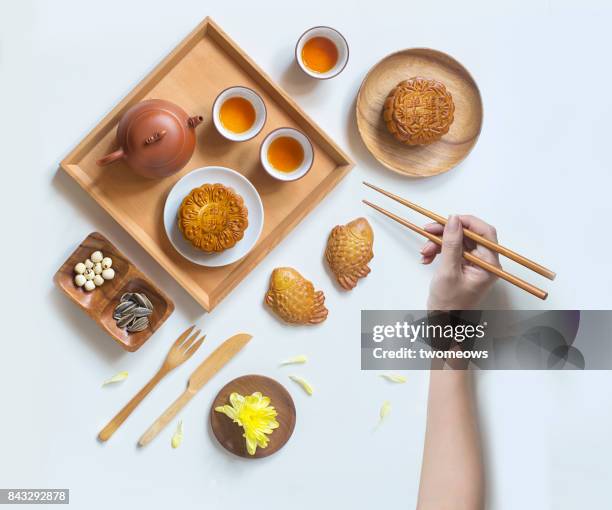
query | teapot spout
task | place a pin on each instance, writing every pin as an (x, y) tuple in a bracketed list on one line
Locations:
[(195, 120)]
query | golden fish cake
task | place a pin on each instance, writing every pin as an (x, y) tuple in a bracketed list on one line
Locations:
[(294, 299), (349, 250)]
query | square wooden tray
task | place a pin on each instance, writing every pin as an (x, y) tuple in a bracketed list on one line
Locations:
[(206, 62), (100, 303)]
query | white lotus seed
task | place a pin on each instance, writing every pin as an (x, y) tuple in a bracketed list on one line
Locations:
[(79, 268), (89, 275), (108, 274), (97, 269), (79, 280), (88, 264), (96, 257), (107, 262), (89, 285), (98, 280)]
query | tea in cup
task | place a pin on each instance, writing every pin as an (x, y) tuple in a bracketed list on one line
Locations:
[(239, 113), (322, 52), (286, 154)]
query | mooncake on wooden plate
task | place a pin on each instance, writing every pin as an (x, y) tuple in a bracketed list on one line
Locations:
[(419, 111)]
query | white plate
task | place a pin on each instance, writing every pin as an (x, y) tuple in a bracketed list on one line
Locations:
[(211, 175)]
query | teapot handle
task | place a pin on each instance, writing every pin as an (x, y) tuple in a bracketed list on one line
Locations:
[(109, 158)]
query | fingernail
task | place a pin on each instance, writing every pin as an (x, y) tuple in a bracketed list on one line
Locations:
[(453, 223)]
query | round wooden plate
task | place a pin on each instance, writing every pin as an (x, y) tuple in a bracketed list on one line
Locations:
[(426, 160), (229, 434)]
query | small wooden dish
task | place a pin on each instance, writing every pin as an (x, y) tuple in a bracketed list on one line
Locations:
[(229, 434), (437, 157), (100, 303)]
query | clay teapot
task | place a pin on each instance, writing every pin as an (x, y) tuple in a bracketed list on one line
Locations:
[(156, 138)]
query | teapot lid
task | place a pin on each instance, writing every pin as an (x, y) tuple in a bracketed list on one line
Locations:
[(155, 136)]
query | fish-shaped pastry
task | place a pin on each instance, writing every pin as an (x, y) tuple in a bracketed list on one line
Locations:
[(294, 299), (349, 249)]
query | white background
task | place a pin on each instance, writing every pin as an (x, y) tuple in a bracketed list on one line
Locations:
[(540, 172)]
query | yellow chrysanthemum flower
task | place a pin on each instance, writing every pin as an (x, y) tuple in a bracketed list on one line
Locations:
[(255, 415)]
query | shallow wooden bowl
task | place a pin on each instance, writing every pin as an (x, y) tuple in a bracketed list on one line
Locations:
[(229, 434), (100, 303), (437, 157)]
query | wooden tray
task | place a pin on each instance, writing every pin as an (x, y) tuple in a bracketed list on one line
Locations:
[(229, 434), (426, 160), (100, 303), (206, 62)]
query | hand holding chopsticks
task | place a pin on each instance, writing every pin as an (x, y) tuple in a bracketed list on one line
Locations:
[(473, 236)]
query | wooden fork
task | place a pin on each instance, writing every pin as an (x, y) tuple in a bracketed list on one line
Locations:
[(180, 352)]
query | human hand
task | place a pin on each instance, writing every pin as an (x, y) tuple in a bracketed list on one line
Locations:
[(458, 284)]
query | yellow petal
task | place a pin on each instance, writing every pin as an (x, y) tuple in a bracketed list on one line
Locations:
[(236, 400), (116, 378), (251, 445), (385, 409), (303, 383), (302, 358), (396, 378), (228, 411), (177, 438)]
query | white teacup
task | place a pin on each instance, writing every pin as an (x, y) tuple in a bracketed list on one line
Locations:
[(334, 36), (307, 149), (258, 105)]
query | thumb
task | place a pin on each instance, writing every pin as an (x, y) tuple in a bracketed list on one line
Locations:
[(452, 244)]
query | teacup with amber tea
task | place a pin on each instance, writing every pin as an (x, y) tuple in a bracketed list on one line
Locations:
[(286, 154), (239, 113), (322, 52)]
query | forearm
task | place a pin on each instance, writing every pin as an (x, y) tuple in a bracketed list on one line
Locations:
[(452, 472)]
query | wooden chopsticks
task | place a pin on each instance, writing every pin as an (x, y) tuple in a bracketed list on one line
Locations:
[(502, 250), (515, 280)]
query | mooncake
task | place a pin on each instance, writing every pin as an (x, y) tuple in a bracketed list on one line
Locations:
[(294, 299), (213, 217), (419, 111), (348, 251)]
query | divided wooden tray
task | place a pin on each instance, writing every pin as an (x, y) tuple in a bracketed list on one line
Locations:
[(206, 62), (100, 303)]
